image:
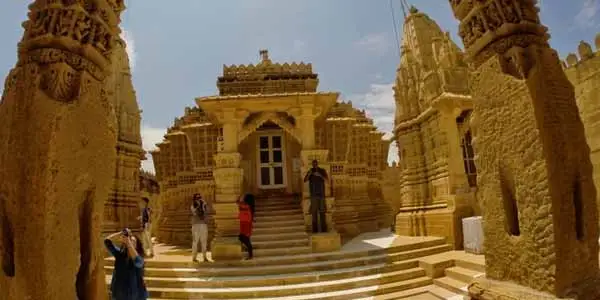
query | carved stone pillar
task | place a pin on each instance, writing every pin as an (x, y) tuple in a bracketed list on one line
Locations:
[(57, 152), (457, 179), (306, 123), (228, 188), (534, 169)]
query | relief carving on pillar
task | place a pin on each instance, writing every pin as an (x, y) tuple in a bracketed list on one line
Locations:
[(496, 26), (63, 57), (227, 160), (309, 155), (71, 43), (228, 181)]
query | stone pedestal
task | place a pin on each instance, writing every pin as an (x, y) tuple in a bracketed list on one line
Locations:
[(226, 248), (325, 242), (228, 182), (433, 221)]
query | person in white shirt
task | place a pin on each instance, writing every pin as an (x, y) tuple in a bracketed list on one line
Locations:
[(199, 227)]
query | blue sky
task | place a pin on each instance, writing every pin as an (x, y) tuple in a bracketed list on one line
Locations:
[(178, 49)]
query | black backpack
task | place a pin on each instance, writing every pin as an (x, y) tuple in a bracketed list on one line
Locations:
[(200, 210)]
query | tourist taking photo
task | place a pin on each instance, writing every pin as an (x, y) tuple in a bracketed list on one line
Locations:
[(127, 281)]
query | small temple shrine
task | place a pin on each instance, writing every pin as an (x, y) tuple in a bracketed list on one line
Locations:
[(259, 135)]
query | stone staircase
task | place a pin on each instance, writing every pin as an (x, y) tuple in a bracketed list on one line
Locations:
[(285, 268), (457, 277), (279, 228)]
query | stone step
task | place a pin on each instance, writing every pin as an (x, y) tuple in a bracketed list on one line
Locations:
[(285, 265), (278, 236), (274, 280), (319, 290), (278, 206), (277, 209), (271, 230), (275, 218), (471, 265), (453, 285), (427, 292), (400, 252), (283, 243), (373, 291), (276, 203), (462, 274), (283, 251), (279, 223), (282, 212), (376, 292)]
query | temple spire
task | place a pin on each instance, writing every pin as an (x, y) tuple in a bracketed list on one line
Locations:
[(264, 55)]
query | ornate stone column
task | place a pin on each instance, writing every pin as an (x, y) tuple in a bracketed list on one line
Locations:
[(457, 179), (228, 188), (57, 152), (534, 169), (306, 123)]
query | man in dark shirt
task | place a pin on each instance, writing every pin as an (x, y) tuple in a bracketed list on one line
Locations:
[(146, 228), (316, 178)]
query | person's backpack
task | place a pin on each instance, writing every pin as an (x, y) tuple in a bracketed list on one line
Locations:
[(200, 212)]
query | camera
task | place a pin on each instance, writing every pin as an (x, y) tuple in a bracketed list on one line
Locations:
[(125, 232)]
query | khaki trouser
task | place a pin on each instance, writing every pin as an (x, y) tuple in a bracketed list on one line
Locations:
[(147, 240), (199, 234)]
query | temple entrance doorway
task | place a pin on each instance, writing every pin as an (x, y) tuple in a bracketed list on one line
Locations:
[(271, 160)]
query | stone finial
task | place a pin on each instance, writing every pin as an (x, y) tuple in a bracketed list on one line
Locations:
[(264, 55), (572, 59), (585, 50), (597, 41)]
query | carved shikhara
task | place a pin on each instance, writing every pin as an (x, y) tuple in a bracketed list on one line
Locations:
[(72, 41), (490, 27)]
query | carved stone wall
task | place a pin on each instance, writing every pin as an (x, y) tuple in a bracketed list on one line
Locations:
[(358, 155), (58, 133), (122, 208), (584, 74), (174, 221), (534, 170), (431, 92)]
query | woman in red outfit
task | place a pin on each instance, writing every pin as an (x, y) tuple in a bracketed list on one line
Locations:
[(245, 216)]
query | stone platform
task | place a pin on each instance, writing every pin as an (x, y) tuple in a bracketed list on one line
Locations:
[(378, 265)]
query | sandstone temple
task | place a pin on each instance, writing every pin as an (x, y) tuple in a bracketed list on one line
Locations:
[(259, 135), (497, 142)]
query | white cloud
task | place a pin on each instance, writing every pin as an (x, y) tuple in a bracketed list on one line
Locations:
[(377, 43), (587, 18), (150, 137), (127, 36), (380, 105)]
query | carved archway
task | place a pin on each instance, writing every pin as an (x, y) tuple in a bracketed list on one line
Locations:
[(253, 122)]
